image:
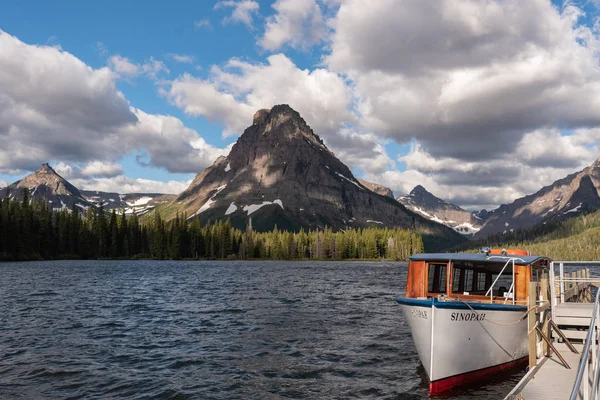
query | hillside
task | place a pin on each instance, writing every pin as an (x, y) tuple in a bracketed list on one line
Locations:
[(577, 238)]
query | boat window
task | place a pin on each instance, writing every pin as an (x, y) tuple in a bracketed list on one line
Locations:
[(436, 278), (458, 279), (468, 280), (503, 284), (481, 281)]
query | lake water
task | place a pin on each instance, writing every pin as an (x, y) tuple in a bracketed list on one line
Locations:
[(215, 329)]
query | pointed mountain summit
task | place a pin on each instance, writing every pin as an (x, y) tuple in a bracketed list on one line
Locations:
[(565, 198), (279, 173), (423, 202), (48, 185)]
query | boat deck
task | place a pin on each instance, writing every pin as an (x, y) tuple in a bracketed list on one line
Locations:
[(550, 379)]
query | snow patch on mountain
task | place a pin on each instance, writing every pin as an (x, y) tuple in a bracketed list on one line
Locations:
[(142, 201), (210, 201), (254, 207), (231, 209)]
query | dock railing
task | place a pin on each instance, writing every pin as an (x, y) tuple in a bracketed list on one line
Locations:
[(586, 383), (562, 305)]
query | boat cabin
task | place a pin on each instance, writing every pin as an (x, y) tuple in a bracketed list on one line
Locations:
[(492, 276)]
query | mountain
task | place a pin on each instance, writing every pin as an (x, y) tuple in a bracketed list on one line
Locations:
[(48, 185), (279, 172), (423, 202), (575, 238), (563, 199), (140, 203), (377, 188)]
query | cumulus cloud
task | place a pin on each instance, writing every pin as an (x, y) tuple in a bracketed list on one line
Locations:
[(243, 11), (467, 77), (233, 93), (299, 23), (100, 169), (70, 112), (125, 68), (360, 150), (485, 184), (122, 184), (3, 183)]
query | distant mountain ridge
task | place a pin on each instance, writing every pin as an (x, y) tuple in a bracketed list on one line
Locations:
[(140, 203), (47, 185), (423, 202), (565, 198)]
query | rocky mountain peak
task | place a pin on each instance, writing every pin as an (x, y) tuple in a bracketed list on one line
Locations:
[(421, 201), (52, 182), (279, 172), (45, 169)]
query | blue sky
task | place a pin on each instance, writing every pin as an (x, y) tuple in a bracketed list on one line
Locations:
[(407, 93)]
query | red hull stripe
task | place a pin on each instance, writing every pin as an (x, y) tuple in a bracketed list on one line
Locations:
[(442, 385)]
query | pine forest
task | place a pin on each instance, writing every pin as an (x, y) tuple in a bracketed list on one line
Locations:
[(30, 230)]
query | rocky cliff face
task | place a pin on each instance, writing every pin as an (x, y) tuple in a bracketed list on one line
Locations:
[(279, 172), (421, 201), (49, 186), (377, 188), (563, 199)]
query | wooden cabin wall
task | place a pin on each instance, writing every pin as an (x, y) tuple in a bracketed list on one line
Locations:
[(417, 280), (522, 277)]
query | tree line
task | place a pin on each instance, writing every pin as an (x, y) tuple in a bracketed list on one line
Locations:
[(30, 229)]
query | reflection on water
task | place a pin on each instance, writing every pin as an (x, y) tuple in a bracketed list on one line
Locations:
[(164, 329)]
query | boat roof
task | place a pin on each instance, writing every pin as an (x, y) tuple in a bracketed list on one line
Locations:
[(476, 257)]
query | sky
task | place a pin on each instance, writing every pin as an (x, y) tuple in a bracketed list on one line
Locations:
[(479, 101)]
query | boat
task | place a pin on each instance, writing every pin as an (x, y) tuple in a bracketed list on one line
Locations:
[(467, 312)]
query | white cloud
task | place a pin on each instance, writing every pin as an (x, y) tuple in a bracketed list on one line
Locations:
[(3, 183), (466, 77), (125, 68), (485, 183), (299, 23), (70, 112), (182, 58), (360, 150), (203, 23), (243, 11), (232, 94), (122, 184), (102, 169)]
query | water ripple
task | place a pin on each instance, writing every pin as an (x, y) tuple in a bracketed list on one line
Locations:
[(219, 330)]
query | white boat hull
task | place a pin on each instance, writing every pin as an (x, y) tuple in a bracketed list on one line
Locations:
[(457, 345)]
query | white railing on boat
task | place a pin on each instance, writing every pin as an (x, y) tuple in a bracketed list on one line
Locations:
[(511, 290)]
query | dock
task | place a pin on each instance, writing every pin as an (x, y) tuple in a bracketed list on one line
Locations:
[(563, 335)]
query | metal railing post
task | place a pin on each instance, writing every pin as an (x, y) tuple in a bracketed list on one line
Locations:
[(552, 291), (562, 282)]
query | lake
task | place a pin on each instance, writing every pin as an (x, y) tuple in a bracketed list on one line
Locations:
[(210, 329)]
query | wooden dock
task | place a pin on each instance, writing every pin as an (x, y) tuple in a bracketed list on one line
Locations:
[(563, 354), (549, 379)]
